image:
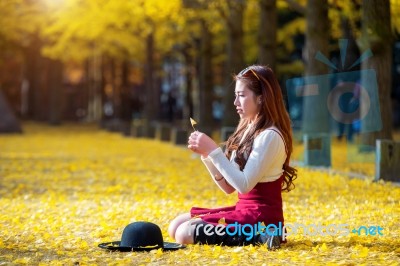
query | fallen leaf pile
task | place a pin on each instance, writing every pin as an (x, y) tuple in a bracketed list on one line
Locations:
[(64, 190)]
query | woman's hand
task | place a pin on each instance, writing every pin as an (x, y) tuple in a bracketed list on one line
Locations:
[(201, 143)]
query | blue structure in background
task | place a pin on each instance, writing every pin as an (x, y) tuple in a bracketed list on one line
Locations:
[(348, 102)]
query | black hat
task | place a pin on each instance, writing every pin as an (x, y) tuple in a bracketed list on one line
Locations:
[(141, 236)]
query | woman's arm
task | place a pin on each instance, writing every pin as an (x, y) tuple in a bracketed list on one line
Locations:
[(268, 152), (217, 177)]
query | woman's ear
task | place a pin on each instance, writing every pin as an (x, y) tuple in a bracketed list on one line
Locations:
[(259, 99)]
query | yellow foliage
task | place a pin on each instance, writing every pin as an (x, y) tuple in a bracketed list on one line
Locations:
[(395, 11), (64, 190), (117, 28)]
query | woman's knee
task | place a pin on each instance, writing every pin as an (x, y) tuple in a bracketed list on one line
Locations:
[(173, 226), (185, 233)]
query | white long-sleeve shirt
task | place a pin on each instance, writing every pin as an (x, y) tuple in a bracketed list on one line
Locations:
[(264, 164)]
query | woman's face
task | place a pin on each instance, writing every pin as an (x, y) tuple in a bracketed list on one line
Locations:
[(246, 101)]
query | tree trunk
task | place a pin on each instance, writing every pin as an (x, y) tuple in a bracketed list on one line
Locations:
[(55, 79), (315, 117), (152, 100), (377, 36), (34, 72), (106, 98), (116, 85), (235, 59), (94, 112), (315, 112), (126, 96), (267, 33), (206, 79), (8, 121), (188, 108), (352, 53), (126, 99)]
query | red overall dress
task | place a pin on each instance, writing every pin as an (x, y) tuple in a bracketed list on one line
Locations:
[(261, 204)]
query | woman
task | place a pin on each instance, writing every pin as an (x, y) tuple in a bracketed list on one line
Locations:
[(255, 164)]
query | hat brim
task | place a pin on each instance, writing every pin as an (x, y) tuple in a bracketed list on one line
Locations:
[(116, 246)]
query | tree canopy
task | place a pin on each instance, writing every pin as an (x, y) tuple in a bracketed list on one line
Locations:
[(75, 29), (79, 30)]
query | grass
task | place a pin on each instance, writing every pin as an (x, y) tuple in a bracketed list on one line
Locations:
[(64, 190)]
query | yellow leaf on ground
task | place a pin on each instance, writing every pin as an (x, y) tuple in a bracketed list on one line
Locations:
[(22, 261), (222, 221)]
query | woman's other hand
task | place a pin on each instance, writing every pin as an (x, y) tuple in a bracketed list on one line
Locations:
[(201, 143)]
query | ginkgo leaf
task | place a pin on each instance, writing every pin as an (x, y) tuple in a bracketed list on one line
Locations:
[(24, 260), (193, 122), (222, 221)]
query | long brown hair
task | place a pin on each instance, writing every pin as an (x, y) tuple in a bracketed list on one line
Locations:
[(262, 81)]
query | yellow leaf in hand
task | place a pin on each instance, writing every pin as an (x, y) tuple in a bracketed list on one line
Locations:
[(193, 122)]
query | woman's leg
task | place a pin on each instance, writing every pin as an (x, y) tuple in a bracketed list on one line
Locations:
[(173, 226), (185, 232)]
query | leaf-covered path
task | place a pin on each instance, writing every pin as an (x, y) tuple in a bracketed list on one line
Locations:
[(65, 190)]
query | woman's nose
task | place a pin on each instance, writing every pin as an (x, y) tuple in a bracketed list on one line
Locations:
[(236, 101)]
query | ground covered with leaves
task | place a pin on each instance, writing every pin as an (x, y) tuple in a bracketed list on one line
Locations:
[(64, 190)]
